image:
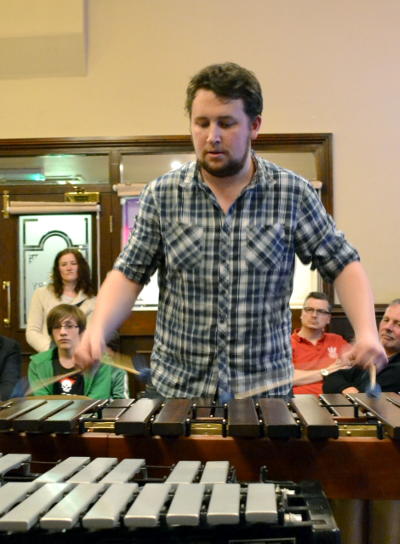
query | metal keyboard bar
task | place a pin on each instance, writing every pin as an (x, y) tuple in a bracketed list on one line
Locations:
[(171, 421), (186, 505), (279, 421), (105, 513), (94, 470), (63, 470), (224, 506), (317, 421), (13, 492), (67, 512), (67, 420), (124, 471), (242, 418), (26, 514), (31, 421), (145, 511), (10, 461), (215, 472), (15, 408), (261, 504), (184, 472), (136, 420)]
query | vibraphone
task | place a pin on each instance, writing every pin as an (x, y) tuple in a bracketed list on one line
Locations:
[(335, 439), (103, 500)]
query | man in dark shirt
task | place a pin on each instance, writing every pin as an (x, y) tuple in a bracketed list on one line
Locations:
[(355, 380), (10, 366)]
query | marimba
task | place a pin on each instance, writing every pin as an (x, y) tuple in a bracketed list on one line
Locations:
[(326, 416), (103, 500), (335, 439)]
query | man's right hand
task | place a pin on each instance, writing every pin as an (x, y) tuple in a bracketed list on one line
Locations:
[(90, 349)]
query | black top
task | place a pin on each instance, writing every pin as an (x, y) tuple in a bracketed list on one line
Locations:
[(10, 366), (71, 385), (388, 378)]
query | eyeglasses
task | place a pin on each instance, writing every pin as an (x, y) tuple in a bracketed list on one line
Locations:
[(66, 326), (318, 311)]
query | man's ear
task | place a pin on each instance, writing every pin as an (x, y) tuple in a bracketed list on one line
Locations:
[(255, 127)]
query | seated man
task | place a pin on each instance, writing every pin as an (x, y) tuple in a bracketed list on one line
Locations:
[(355, 380), (65, 324), (315, 352), (10, 366)]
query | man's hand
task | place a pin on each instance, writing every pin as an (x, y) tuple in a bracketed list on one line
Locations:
[(90, 349), (366, 352)]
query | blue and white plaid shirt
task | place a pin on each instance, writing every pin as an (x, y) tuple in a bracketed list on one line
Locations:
[(225, 280)]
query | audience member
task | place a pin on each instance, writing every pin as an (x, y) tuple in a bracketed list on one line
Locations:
[(71, 284), (65, 324), (10, 366), (355, 380), (315, 353)]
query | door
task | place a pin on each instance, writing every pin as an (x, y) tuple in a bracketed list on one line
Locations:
[(103, 241)]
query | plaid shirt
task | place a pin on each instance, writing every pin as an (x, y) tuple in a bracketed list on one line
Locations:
[(225, 280)]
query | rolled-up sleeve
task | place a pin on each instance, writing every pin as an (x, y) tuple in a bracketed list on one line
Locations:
[(318, 241)]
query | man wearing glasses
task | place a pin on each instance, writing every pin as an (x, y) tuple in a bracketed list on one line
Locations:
[(65, 325), (316, 353)]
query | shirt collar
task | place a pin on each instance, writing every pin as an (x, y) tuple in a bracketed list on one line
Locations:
[(190, 174)]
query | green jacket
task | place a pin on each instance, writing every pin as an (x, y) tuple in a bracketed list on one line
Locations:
[(101, 382)]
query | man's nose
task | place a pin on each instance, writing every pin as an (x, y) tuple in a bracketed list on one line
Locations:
[(214, 133)]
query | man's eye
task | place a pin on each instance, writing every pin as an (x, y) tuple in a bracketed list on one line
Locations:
[(226, 124)]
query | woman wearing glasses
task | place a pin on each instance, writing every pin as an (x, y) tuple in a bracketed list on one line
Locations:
[(71, 284), (65, 324)]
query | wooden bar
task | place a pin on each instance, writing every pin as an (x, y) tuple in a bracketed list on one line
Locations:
[(11, 409), (339, 405), (173, 417), (385, 411), (317, 421), (243, 420), (67, 420), (32, 421), (278, 420), (136, 420)]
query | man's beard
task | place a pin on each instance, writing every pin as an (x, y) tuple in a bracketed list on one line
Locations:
[(231, 168)]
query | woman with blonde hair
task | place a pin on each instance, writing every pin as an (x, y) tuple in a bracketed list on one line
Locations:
[(71, 284)]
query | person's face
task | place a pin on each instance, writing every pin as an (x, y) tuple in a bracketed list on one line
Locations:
[(68, 267), (389, 330), (315, 314), (221, 133), (66, 334)]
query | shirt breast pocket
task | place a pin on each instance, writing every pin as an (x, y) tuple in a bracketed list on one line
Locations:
[(184, 246), (265, 246)]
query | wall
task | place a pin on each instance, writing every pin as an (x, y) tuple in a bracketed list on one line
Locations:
[(324, 66)]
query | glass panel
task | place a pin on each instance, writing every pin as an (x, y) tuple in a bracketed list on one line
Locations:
[(302, 163), (54, 170), (148, 298), (144, 168), (41, 237)]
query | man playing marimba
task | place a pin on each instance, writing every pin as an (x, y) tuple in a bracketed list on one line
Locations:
[(223, 233)]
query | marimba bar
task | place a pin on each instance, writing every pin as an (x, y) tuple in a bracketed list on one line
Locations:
[(101, 499), (306, 416)]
